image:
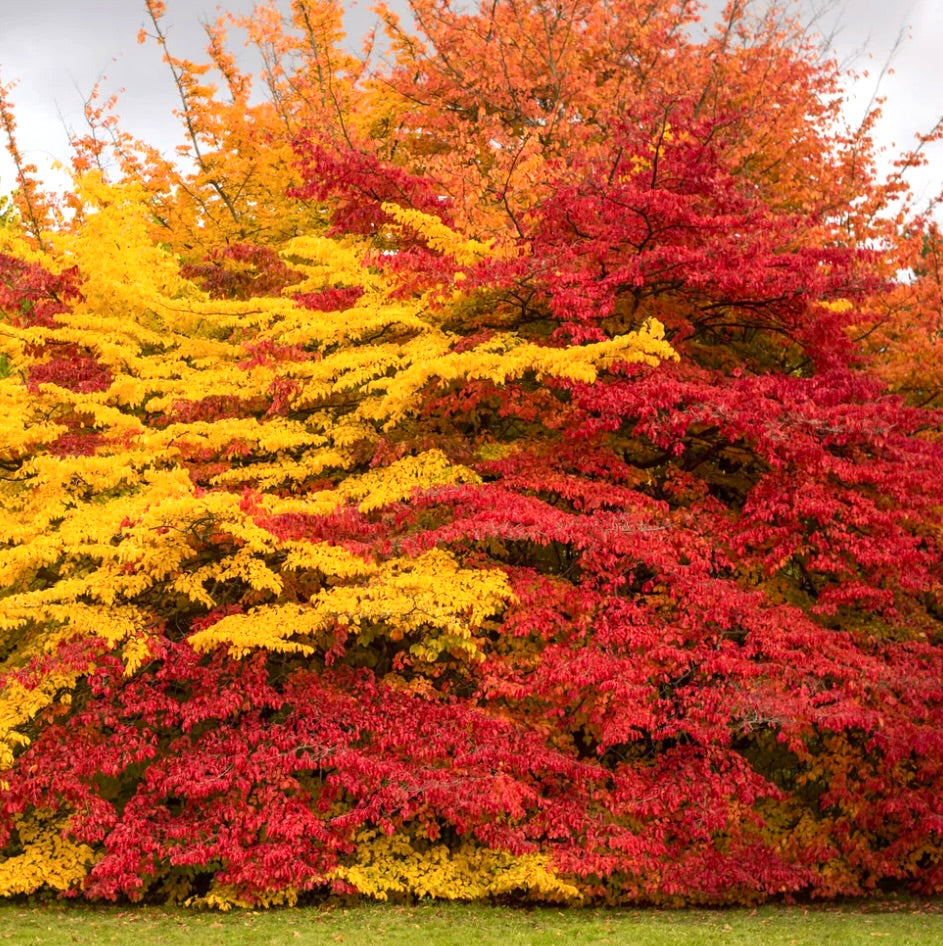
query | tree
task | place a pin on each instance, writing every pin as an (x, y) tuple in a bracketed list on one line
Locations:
[(495, 501)]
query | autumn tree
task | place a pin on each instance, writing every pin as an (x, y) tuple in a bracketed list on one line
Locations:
[(468, 477)]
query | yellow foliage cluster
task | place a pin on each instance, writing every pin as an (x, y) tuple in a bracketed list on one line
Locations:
[(430, 598), (438, 236), (49, 859), (400, 864)]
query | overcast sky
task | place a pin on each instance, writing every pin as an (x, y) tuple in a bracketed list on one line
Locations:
[(56, 49)]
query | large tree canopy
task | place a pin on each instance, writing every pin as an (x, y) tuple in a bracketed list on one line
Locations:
[(511, 468)]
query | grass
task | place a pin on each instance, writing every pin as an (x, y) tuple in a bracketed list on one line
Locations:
[(901, 923)]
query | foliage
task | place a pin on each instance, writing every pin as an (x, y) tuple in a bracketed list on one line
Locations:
[(476, 477)]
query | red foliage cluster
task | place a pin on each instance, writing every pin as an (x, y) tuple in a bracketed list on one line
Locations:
[(30, 295), (241, 271), (70, 367)]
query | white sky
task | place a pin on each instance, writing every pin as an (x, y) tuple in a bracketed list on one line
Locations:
[(56, 49)]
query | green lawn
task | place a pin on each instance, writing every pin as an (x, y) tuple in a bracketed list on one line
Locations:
[(889, 922)]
